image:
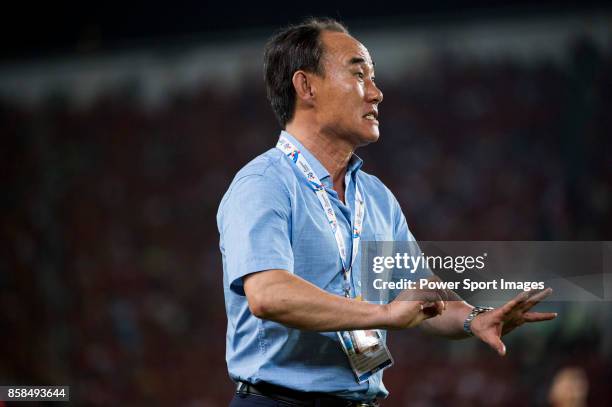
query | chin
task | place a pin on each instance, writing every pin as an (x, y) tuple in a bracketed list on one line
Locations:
[(370, 137), (361, 136)]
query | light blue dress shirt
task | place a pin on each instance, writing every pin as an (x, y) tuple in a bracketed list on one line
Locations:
[(270, 218)]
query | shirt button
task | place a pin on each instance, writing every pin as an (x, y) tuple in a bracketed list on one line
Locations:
[(359, 283)]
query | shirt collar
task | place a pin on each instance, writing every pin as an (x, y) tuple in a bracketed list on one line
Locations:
[(354, 164)]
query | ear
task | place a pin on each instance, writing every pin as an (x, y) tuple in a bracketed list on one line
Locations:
[(304, 87)]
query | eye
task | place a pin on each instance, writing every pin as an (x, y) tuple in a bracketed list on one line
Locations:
[(360, 75)]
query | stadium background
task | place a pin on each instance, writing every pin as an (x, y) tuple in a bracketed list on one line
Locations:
[(123, 125)]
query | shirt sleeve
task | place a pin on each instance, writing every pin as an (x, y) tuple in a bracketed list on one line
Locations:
[(402, 233), (406, 240), (400, 227), (254, 224)]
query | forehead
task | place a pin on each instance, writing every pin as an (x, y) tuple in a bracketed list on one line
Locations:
[(341, 48)]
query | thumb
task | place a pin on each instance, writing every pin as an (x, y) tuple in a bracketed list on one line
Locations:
[(496, 343)]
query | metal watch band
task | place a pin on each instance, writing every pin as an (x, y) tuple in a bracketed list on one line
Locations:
[(467, 324)]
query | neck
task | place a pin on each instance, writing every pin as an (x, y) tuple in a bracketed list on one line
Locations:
[(332, 152)]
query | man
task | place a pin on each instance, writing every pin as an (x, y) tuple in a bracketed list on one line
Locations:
[(290, 226)]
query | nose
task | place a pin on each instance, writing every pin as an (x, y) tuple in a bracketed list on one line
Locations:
[(374, 94)]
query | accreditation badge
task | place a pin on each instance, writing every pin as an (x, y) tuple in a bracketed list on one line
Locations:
[(366, 351)]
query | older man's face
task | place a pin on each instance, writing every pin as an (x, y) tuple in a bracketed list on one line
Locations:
[(347, 98)]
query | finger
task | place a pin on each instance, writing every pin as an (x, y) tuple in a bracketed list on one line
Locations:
[(526, 300), (500, 348), (536, 298), (441, 306), (515, 302), (496, 343), (539, 316)]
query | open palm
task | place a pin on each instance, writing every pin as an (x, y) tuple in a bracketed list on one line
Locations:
[(492, 325)]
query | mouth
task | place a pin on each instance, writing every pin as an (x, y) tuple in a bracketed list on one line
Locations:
[(371, 116)]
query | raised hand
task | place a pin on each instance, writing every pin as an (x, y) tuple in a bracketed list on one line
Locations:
[(492, 325)]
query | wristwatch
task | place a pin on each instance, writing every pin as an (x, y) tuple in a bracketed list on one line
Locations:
[(467, 324)]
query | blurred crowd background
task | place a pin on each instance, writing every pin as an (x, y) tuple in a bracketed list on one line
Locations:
[(114, 164)]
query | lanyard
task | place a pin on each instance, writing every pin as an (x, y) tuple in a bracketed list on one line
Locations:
[(315, 183)]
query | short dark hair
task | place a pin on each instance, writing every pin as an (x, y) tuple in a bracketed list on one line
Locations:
[(293, 48)]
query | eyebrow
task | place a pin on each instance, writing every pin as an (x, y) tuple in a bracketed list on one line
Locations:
[(359, 60)]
